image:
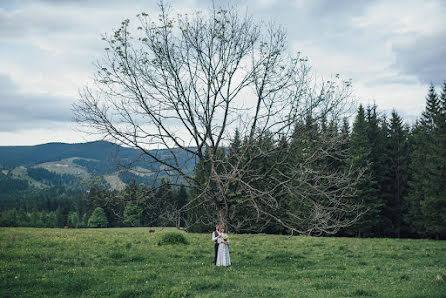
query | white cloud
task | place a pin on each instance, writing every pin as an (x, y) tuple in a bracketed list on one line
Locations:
[(403, 17)]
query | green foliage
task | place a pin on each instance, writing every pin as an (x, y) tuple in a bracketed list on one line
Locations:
[(129, 177), (196, 215), (172, 238), (427, 196), (74, 220), (96, 263), (10, 185), (18, 217), (98, 219), (133, 206), (165, 196), (8, 218), (132, 214), (35, 219), (51, 178), (360, 157), (397, 186), (391, 156)]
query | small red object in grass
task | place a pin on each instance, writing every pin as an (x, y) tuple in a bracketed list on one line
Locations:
[(151, 231), (66, 227)]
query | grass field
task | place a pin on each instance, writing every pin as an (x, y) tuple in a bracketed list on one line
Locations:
[(127, 262)]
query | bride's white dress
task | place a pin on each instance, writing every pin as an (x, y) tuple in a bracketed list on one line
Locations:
[(223, 258)]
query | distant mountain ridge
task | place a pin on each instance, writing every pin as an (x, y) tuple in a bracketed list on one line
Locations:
[(47, 163), (13, 156)]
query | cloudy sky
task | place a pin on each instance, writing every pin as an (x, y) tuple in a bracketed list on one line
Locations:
[(392, 51)]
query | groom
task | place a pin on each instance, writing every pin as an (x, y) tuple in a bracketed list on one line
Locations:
[(215, 236)]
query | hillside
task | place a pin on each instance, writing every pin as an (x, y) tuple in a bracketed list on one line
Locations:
[(128, 262), (13, 156), (61, 164)]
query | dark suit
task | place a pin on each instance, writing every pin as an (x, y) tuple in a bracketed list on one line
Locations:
[(215, 247)]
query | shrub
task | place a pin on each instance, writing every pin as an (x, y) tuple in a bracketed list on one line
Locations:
[(132, 215), (172, 238), (98, 219), (73, 220)]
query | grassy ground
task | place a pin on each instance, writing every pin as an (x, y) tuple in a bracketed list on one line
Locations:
[(128, 262)]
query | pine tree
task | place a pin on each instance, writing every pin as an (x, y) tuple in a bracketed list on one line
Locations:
[(443, 98), (132, 214), (414, 218), (360, 155), (427, 200), (235, 147), (442, 160), (398, 155), (377, 133), (431, 113), (165, 196), (181, 200), (196, 220), (434, 204)]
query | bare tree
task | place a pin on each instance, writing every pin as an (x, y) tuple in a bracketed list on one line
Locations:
[(188, 83)]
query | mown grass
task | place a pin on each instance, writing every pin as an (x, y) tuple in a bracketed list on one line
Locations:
[(128, 262)]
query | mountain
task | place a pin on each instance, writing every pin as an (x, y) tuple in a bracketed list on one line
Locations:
[(57, 164), (13, 156)]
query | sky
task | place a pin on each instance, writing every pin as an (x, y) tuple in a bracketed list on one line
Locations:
[(392, 51)]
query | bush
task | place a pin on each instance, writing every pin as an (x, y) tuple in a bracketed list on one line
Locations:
[(73, 220), (98, 219), (172, 238), (132, 215)]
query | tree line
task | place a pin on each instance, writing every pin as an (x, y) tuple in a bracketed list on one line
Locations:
[(134, 206), (404, 190), (401, 191)]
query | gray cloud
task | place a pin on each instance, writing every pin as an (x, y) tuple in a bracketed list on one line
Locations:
[(423, 57), (391, 80), (340, 11), (7, 86), (24, 111), (52, 43), (8, 27)]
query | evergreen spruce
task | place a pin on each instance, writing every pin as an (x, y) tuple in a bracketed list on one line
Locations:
[(398, 174), (426, 199), (360, 156)]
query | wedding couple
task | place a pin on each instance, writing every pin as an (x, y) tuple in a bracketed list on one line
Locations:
[(221, 240)]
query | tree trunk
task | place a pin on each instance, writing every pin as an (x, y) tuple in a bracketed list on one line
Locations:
[(221, 218)]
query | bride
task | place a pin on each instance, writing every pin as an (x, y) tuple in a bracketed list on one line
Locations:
[(223, 249)]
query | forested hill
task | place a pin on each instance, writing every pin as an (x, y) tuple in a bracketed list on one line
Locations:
[(13, 156), (61, 164)]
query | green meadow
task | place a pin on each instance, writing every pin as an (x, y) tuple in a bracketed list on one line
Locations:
[(128, 262)]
